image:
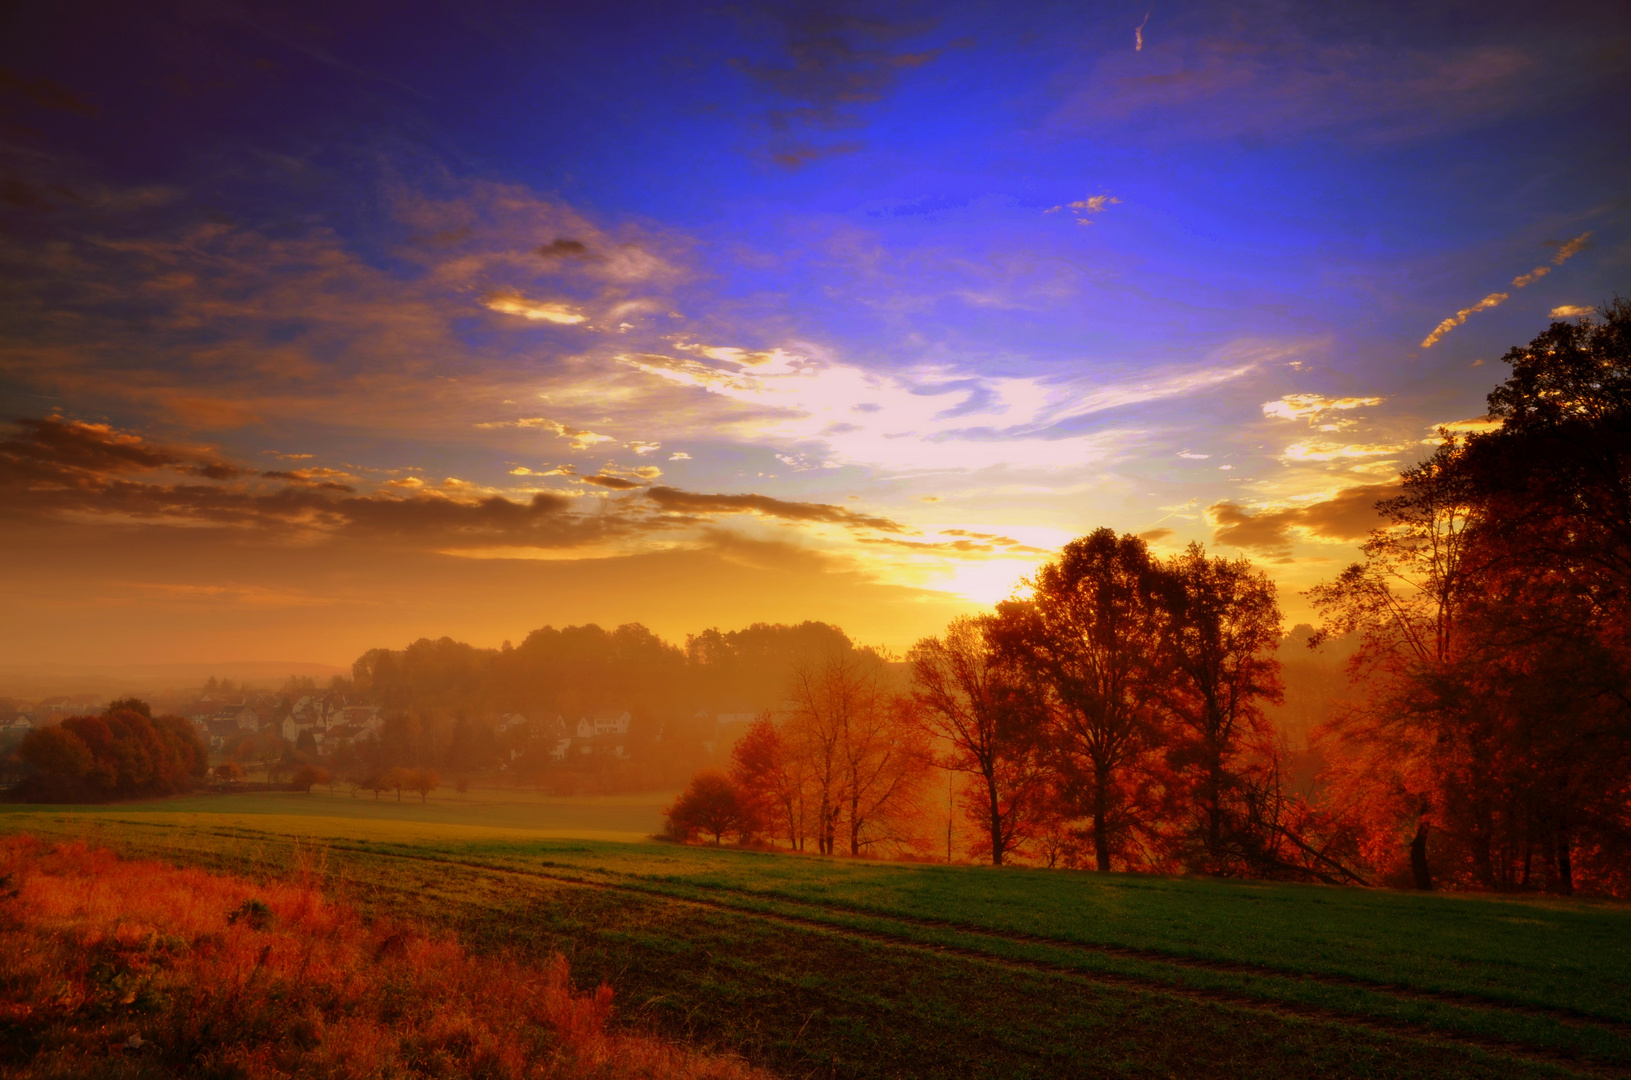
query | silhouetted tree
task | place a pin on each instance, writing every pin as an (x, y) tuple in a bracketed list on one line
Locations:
[(1223, 633), (1092, 636)]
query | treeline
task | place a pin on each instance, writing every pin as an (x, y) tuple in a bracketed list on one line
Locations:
[(123, 753), (1115, 717), (441, 698)]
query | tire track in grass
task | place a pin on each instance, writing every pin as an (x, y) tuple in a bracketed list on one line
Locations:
[(1571, 1017), (1576, 1061), (757, 907)]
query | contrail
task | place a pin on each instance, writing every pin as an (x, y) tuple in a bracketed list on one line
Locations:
[(1138, 31)]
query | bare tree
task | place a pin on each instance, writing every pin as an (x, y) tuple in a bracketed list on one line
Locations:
[(971, 698)]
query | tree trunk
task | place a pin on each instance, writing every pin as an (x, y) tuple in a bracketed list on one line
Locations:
[(1418, 858), (996, 820), (1565, 866), (1214, 811), (1101, 828)]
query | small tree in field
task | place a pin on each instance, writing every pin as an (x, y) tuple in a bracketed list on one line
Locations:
[(711, 804), (307, 775), (229, 772), (423, 781), (395, 780)]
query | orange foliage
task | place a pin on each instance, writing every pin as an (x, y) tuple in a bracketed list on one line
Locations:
[(199, 973)]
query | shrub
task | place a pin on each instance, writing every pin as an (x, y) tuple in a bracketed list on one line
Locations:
[(711, 804)]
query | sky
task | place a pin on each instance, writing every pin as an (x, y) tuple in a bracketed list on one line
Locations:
[(326, 327)]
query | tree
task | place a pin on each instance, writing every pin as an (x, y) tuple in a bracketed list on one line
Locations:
[(122, 753), (975, 702), (1092, 636), (307, 775), (1406, 602), (395, 780), (770, 780), (711, 804), (860, 746), (229, 772), (1497, 734), (1224, 629), (423, 781)]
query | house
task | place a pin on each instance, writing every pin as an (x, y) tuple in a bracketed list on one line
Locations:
[(561, 747), (609, 722), (362, 716), (509, 721), (222, 732)]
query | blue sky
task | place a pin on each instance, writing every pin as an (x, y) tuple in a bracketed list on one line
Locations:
[(468, 318)]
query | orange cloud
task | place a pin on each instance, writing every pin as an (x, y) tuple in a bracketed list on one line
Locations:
[(1490, 301), (1349, 515), (674, 499)]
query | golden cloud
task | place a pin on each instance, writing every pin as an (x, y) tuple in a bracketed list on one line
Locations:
[(511, 303), (1348, 515), (1490, 301)]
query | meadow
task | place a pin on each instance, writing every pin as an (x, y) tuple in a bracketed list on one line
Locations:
[(831, 967)]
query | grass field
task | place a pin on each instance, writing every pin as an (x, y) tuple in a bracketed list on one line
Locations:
[(823, 967)]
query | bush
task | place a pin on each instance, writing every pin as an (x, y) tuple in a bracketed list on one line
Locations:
[(711, 804), (121, 754)]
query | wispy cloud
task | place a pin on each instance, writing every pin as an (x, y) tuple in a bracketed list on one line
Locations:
[(1571, 311), (693, 502), (513, 303), (822, 68), (1082, 210), (1314, 408), (1491, 301), (579, 438), (1565, 252), (925, 419)]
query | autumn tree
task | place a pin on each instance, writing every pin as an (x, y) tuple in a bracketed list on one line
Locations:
[(1496, 614), (975, 701), (424, 781), (772, 780), (395, 780), (122, 753), (1091, 636), (307, 775), (860, 747), (1223, 630), (711, 803)]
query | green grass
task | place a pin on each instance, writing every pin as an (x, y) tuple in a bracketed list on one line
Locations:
[(835, 967)]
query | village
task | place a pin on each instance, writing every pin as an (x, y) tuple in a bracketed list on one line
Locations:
[(275, 733)]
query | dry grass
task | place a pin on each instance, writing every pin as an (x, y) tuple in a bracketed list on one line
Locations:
[(122, 968)]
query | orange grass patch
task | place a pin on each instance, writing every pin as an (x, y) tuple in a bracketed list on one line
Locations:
[(121, 968)]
